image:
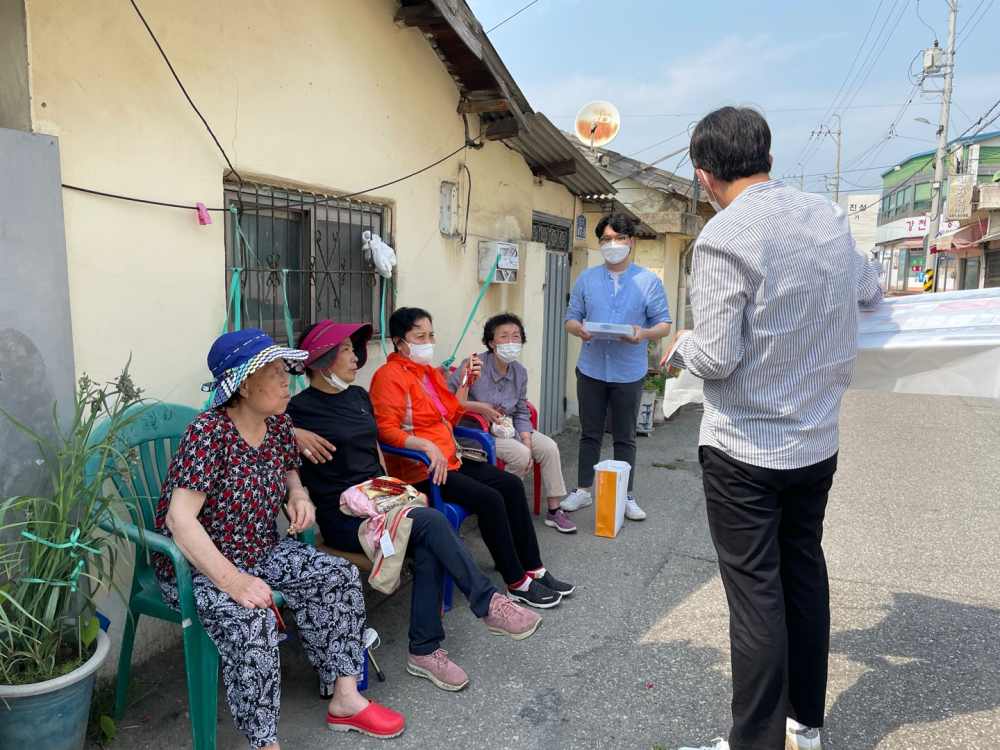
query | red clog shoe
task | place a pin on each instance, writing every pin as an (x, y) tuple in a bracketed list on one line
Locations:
[(375, 721)]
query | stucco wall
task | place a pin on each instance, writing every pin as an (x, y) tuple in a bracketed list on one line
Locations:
[(327, 95)]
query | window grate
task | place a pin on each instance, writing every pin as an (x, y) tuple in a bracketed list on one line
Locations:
[(310, 246)]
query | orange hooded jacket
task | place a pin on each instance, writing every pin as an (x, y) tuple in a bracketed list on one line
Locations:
[(403, 409)]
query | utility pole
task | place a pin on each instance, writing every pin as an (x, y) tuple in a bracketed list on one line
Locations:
[(802, 176), (836, 184), (942, 147), (825, 130)]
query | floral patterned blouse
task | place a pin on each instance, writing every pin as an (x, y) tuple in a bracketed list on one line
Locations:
[(245, 486)]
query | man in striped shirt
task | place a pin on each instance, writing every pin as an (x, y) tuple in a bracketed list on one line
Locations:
[(775, 289)]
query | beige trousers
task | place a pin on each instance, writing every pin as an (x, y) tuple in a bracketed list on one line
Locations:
[(544, 450)]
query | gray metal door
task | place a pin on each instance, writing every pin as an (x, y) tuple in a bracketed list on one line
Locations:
[(555, 233), (552, 409)]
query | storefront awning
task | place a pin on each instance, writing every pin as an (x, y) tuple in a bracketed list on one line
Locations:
[(910, 243), (960, 239)]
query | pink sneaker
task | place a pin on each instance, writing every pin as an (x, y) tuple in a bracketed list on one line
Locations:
[(439, 669), (507, 618)]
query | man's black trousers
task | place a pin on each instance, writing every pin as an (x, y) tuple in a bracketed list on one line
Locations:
[(767, 526)]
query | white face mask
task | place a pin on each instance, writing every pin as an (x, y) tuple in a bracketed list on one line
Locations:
[(507, 353), (335, 382), (421, 354), (711, 196), (615, 252)]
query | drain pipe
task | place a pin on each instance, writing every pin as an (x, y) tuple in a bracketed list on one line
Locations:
[(688, 247)]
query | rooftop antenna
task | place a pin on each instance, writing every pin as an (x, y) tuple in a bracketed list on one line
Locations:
[(597, 124)]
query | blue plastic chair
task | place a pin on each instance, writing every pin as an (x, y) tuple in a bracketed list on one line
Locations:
[(454, 513)]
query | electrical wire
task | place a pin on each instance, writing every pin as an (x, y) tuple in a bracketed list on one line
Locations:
[(665, 140), (290, 203), (184, 91), (510, 17), (965, 34), (917, 8), (468, 203)]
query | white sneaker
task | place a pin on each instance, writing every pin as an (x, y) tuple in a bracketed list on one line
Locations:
[(800, 737), (575, 500), (720, 744), (632, 510)]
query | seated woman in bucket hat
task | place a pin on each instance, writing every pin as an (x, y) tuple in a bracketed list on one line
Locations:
[(220, 503), (338, 434)]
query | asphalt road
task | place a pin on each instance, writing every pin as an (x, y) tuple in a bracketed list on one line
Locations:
[(638, 657)]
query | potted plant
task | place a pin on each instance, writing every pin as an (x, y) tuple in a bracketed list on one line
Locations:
[(55, 560)]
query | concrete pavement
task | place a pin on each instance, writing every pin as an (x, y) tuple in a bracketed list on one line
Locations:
[(910, 540)]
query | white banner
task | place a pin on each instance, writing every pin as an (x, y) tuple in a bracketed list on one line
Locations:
[(945, 344)]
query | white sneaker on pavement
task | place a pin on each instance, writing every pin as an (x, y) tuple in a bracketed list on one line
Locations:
[(800, 737), (632, 510), (575, 500), (720, 744)]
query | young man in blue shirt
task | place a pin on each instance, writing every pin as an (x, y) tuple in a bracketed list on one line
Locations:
[(611, 372)]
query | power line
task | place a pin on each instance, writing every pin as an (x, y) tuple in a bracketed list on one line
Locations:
[(766, 110), (965, 34), (510, 17), (184, 91)]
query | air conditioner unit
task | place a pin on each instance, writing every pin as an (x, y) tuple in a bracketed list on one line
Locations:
[(506, 266)]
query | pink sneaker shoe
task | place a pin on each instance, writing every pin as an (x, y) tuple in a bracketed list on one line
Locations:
[(507, 618), (439, 669)]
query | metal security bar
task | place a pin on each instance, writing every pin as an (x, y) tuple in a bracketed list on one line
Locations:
[(308, 247)]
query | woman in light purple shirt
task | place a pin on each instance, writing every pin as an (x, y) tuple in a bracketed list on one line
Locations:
[(502, 391)]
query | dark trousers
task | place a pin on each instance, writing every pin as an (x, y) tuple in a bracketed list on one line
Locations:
[(436, 548), (594, 397), (767, 526), (497, 497)]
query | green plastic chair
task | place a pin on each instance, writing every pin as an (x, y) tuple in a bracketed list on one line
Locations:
[(156, 435)]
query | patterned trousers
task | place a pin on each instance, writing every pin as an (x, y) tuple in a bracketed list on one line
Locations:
[(324, 594)]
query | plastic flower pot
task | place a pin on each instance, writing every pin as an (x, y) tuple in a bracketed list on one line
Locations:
[(51, 714)]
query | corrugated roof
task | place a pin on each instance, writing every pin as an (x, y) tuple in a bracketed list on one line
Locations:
[(489, 90), (932, 152)]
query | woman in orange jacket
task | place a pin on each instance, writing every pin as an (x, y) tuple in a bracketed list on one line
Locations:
[(415, 410)]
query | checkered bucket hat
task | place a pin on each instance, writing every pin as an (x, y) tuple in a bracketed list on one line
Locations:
[(236, 356)]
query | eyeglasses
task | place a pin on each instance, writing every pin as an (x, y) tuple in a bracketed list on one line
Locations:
[(621, 239)]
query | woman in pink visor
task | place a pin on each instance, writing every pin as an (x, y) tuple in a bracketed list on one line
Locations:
[(336, 430)]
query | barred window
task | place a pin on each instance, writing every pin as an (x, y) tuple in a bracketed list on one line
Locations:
[(306, 248)]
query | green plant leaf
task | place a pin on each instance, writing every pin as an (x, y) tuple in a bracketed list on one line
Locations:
[(108, 728), (89, 631)]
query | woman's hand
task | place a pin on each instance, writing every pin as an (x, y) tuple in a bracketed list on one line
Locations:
[(472, 370), (526, 442), (301, 511), (491, 415), (315, 448), (439, 464), (249, 592)]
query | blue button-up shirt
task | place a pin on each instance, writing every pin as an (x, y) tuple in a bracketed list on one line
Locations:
[(639, 301)]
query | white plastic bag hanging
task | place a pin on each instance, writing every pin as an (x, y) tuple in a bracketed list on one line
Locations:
[(379, 253)]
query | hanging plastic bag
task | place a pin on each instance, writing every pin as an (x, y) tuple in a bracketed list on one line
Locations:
[(379, 253)]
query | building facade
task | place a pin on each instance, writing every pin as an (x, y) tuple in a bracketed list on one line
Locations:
[(335, 119), (904, 218)]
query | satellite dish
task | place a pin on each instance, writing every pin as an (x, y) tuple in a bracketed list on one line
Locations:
[(597, 124)]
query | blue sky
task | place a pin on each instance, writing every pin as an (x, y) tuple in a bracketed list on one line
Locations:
[(659, 57)]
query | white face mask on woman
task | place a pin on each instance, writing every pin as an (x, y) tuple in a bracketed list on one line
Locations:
[(334, 381), (421, 354), (507, 353)]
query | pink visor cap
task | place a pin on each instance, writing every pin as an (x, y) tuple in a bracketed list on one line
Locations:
[(327, 336)]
